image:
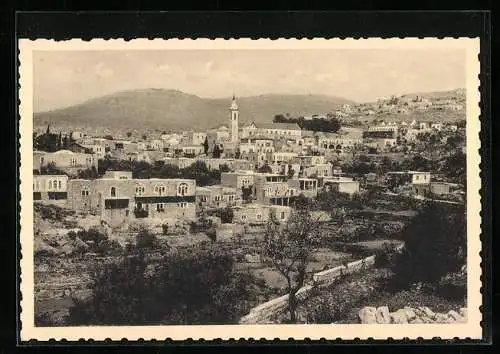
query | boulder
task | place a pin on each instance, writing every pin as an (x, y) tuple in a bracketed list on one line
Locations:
[(463, 312), (441, 318), (382, 315), (416, 320), (427, 312), (399, 317), (409, 312), (455, 316), (367, 315)]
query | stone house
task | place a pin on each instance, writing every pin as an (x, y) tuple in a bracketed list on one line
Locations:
[(118, 200), (50, 187), (67, 161)]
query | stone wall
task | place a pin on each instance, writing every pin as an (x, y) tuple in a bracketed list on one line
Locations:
[(264, 312), (419, 315)]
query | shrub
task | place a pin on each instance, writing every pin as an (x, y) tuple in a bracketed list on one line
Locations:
[(192, 287), (435, 245), (164, 229), (146, 239)]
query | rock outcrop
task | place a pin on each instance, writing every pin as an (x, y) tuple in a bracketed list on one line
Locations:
[(419, 315)]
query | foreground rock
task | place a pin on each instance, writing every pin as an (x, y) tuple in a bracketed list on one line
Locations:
[(419, 315)]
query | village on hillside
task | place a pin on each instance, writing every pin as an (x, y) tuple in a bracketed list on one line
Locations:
[(211, 199)]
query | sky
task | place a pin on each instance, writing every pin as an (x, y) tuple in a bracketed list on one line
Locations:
[(66, 78)]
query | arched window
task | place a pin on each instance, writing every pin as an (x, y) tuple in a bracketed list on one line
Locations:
[(59, 185), (159, 189), (182, 189), (50, 184), (85, 191), (113, 191), (139, 189)]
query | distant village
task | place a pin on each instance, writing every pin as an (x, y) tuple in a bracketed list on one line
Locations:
[(262, 168)]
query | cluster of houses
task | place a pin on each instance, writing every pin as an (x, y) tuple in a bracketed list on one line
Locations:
[(297, 163), (404, 104)]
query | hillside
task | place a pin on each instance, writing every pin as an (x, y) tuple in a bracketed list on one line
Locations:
[(171, 110)]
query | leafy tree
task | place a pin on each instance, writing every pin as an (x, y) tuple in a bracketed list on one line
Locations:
[(435, 245), (265, 169), (226, 215), (51, 169), (205, 146), (108, 137), (246, 193), (144, 137), (216, 152), (145, 239), (129, 134), (237, 154), (89, 173), (288, 249), (190, 287)]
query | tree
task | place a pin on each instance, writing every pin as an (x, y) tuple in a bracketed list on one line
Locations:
[(216, 152), (108, 137), (144, 137), (205, 146), (288, 248), (145, 239), (129, 134), (188, 287), (265, 169), (237, 154), (435, 245), (226, 215), (246, 193)]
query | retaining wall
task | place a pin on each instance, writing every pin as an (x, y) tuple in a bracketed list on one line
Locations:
[(264, 312)]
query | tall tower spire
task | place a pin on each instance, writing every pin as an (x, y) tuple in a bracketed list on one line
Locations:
[(233, 116)]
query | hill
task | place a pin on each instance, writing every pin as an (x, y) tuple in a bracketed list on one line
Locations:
[(172, 110)]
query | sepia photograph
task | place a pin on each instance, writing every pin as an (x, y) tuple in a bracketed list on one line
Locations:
[(245, 185)]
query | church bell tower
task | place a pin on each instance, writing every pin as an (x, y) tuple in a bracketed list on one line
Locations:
[(234, 115)]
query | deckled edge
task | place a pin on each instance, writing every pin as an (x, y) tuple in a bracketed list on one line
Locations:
[(187, 340)]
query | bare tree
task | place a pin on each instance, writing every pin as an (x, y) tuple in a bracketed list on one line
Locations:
[(288, 248)]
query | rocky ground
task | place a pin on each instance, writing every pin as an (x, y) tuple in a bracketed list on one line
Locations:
[(422, 314)]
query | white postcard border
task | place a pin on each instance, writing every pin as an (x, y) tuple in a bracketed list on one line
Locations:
[(472, 329)]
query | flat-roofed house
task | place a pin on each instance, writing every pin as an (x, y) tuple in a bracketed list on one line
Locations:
[(118, 200), (400, 178), (306, 186), (218, 196), (50, 187), (341, 184), (64, 160), (273, 189)]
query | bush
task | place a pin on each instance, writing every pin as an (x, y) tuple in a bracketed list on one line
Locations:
[(199, 287), (164, 229), (146, 239), (435, 245)]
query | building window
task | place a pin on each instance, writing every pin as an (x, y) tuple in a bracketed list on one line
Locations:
[(160, 207), (59, 185), (113, 191), (259, 216), (73, 161), (182, 189), (139, 190), (243, 217), (85, 192), (282, 215), (50, 185), (182, 205), (159, 189)]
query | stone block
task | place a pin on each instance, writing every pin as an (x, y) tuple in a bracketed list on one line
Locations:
[(463, 312), (382, 315), (367, 315), (399, 317), (455, 316), (428, 312)]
